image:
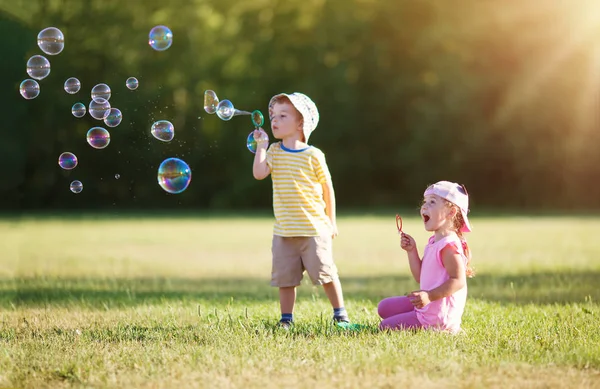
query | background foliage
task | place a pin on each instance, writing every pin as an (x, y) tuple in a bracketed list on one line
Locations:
[(499, 95)]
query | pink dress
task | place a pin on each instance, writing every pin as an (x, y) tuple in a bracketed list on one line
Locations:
[(445, 313)]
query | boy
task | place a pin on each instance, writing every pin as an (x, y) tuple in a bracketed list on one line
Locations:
[(303, 203)]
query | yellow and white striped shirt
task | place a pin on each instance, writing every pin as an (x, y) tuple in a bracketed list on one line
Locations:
[(298, 202)]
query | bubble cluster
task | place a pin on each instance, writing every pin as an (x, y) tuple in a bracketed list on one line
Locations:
[(99, 109), (78, 110), (160, 38), (76, 186), (29, 89), (51, 40), (72, 85), (67, 161), (98, 137), (101, 91), (174, 175), (38, 67), (113, 118), (163, 130), (132, 83)]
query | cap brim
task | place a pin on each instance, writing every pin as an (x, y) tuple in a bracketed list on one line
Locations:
[(467, 226)]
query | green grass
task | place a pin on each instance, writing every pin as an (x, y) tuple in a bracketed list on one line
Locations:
[(160, 302)]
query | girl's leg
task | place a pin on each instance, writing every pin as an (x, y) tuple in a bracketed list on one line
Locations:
[(403, 321), (393, 306)]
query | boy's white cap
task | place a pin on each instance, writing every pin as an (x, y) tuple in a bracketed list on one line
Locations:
[(307, 109), (456, 194)]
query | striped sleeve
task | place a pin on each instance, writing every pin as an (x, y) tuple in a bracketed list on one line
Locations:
[(320, 167)]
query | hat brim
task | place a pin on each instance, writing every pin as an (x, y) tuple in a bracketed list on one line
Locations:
[(467, 226)]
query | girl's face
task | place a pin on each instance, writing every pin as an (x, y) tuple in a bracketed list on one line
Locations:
[(435, 214), (285, 121)]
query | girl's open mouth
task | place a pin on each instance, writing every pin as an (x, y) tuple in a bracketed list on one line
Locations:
[(425, 218)]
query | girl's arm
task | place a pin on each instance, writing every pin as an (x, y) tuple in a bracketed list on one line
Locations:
[(453, 262), (408, 243), (455, 266)]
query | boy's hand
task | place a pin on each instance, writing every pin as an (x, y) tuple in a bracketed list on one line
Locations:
[(419, 298), (407, 242), (261, 138), (334, 231)]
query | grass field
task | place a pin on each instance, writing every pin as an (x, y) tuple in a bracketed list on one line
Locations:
[(186, 302)]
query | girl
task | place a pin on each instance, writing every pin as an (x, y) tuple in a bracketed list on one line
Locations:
[(442, 273)]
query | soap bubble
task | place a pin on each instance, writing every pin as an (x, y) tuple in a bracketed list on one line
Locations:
[(76, 186), (114, 117), (99, 109), (72, 85), (29, 89), (174, 175), (98, 137), (163, 130), (67, 161), (101, 91), (78, 110), (160, 38), (210, 101), (225, 110), (51, 40), (132, 83), (251, 142), (38, 67)]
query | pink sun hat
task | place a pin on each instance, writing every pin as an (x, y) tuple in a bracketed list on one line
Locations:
[(454, 193)]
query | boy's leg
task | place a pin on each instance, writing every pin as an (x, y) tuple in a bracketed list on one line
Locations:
[(287, 299), (317, 259), (286, 274), (333, 290), (392, 306)]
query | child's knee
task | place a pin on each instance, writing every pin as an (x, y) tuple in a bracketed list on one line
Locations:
[(385, 325), (382, 308)]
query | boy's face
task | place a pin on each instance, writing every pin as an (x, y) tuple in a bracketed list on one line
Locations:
[(285, 121)]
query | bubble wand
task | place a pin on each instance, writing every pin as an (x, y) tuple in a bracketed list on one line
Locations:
[(399, 223), (258, 120)]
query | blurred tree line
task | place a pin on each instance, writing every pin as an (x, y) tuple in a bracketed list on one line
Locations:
[(501, 96)]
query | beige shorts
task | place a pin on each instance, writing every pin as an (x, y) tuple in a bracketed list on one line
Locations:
[(293, 255)]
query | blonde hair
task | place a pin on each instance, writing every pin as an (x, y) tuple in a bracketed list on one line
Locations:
[(457, 223)]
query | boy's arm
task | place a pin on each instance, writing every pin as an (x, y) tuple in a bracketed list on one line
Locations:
[(260, 168), (329, 197)]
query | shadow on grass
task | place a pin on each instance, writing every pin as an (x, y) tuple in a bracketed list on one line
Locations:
[(537, 288)]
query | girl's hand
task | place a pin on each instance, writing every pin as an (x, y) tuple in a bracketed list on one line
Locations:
[(261, 138), (419, 298), (407, 242)]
